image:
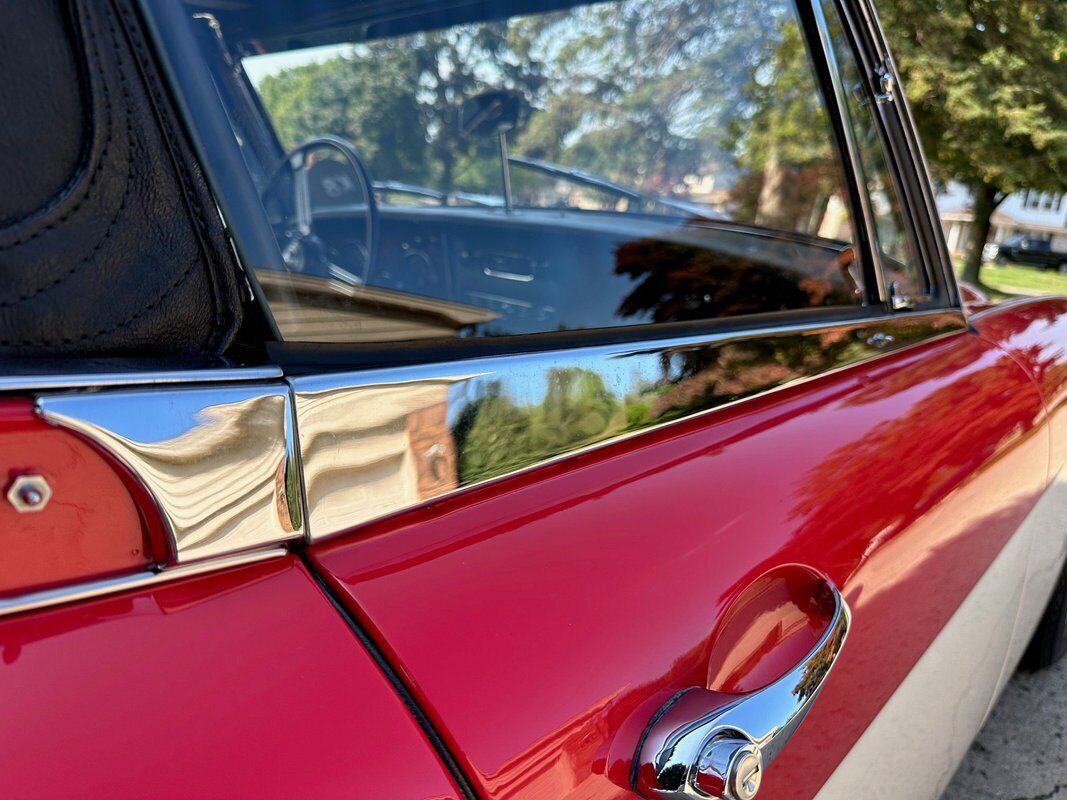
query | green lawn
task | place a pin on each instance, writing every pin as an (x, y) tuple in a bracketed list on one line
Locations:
[(1012, 279)]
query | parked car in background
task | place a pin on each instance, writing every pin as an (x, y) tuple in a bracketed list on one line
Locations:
[(1030, 251), (500, 400)]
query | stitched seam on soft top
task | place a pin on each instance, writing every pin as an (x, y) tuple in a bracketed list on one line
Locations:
[(131, 143), (185, 274), (199, 223), (146, 308), (87, 186)]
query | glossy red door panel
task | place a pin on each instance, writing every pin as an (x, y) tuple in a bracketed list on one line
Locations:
[(240, 684), (1034, 330), (542, 620)]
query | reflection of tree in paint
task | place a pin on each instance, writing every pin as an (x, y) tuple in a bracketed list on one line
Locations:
[(817, 670), (944, 434)]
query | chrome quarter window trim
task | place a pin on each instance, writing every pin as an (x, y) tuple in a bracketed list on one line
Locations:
[(839, 107), (906, 166), (912, 155), (379, 441), (219, 461), (35, 383), (123, 583)]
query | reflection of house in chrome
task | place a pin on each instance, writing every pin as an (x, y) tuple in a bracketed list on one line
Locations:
[(1038, 215), (375, 450)]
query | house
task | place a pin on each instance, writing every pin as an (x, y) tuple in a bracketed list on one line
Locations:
[(1039, 215)]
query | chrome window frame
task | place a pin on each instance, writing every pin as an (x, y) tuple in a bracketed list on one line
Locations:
[(817, 38), (343, 417), (320, 436), (929, 220), (907, 161)]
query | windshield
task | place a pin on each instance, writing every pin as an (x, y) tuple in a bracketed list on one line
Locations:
[(538, 166), (586, 83)]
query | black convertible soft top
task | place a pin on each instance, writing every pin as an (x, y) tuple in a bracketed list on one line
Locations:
[(110, 244)]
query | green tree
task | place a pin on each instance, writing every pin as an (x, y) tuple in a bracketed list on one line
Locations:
[(398, 101), (781, 138), (988, 83), (368, 100), (496, 434), (657, 81)]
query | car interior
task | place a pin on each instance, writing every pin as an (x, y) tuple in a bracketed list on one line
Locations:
[(475, 227)]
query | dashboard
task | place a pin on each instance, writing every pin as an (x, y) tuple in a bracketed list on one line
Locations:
[(541, 270)]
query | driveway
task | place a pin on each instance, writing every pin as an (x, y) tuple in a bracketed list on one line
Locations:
[(1021, 754)]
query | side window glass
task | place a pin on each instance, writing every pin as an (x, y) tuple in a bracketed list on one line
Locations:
[(896, 250), (454, 170)]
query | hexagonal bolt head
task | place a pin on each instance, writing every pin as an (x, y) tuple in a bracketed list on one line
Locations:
[(29, 493)]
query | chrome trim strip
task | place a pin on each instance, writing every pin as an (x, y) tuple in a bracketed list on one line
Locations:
[(219, 461), (380, 441), (1011, 302), (138, 580), (31, 383)]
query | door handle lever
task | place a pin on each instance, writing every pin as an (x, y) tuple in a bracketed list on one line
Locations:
[(704, 744)]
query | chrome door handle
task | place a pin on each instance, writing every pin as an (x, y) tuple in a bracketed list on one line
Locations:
[(705, 744)]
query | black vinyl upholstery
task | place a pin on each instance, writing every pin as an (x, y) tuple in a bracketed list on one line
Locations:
[(110, 244)]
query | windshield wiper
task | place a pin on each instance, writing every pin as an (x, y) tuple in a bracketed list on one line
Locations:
[(580, 176), (399, 187)]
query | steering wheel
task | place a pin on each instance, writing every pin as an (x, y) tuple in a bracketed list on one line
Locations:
[(304, 251)]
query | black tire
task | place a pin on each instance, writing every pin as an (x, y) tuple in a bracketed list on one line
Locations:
[(1001, 259), (1050, 639)]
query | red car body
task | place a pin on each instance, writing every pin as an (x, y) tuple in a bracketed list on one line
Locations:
[(249, 683), (597, 616), (309, 635)]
